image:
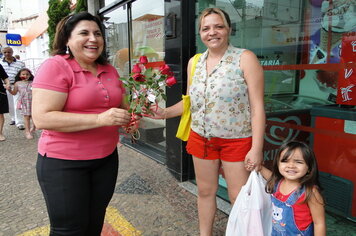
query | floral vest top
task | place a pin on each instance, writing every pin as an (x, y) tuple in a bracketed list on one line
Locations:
[(219, 101)]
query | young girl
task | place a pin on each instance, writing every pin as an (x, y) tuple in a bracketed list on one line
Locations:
[(298, 207), (23, 86)]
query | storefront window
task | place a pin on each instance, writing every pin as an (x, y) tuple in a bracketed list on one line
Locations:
[(307, 49), (148, 40), (108, 2), (117, 40), (124, 46)]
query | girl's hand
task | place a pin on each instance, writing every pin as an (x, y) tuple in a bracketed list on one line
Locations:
[(253, 160), (158, 112), (114, 116)]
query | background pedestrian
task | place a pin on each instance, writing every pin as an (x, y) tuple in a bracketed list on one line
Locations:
[(23, 86), (4, 105), (11, 66)]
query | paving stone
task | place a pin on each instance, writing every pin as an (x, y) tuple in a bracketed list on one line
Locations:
[(147, 196), (134, 185)]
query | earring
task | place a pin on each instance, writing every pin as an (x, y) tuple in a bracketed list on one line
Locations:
[(67, 50)]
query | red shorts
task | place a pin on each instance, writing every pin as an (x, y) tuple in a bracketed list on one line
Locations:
[(232, 150)]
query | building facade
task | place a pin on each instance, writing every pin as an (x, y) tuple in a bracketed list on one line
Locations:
[(307, 49)]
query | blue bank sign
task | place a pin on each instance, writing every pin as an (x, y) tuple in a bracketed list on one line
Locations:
[(13, 40)]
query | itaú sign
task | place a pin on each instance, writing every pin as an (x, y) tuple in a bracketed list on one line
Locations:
[(13, 40)]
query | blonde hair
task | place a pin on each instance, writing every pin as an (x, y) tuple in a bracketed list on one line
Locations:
[(224, 16)]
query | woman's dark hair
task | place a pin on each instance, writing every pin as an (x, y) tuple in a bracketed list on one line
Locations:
[(309, 181), (17, 77), (64, 29)]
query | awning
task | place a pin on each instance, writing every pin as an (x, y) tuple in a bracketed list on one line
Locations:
[(38, 27)]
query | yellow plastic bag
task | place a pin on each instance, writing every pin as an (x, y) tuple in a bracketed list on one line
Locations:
[(185, 120)]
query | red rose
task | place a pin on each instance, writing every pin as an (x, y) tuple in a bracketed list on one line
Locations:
[(136, 69), (171, 81), (165, 70), (143, 60), (139, 77)]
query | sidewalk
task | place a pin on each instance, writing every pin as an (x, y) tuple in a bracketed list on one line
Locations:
[(147, 200)]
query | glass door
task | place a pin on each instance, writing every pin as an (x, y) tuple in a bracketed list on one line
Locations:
[(133, 30), (148, 40)]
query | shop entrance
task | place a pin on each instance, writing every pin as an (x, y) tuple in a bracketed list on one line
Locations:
[(132, 30)]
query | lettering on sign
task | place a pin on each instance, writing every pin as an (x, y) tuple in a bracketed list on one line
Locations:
[(353, 44), (345, 93), (270, 62), (348, 73), (269, 154), (12, 42)]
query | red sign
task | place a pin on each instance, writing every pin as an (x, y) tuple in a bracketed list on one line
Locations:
[(346, 92)]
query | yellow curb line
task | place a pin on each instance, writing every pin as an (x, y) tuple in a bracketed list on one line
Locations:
[(112, 217), (40, 231), (119, 223)]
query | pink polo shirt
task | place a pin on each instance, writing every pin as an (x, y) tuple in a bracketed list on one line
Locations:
[(87, 94)]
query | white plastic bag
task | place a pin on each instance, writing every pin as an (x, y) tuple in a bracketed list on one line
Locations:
[(251, 214)]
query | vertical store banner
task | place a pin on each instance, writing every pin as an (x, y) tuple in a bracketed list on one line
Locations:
[(346, 92)]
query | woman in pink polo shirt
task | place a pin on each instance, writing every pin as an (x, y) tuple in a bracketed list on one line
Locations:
[(78, 103)]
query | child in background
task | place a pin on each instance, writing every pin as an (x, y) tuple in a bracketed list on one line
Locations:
[(23, 86), (298, 206)]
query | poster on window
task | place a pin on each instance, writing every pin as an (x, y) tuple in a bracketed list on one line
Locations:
[(148, 37), (327, 22), (346, 92)]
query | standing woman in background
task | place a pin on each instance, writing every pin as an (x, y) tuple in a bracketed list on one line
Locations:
[(78, 103), (4, 105), (228, 117)]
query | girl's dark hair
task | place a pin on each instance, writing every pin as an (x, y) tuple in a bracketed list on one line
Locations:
[(64, 29), (17, 77), (309, 181)]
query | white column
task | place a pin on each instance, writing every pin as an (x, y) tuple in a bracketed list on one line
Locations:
[(93, 6)]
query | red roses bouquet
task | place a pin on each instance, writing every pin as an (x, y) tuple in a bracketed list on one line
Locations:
[(145, 87)]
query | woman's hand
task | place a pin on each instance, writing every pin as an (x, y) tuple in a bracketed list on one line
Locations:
[(253, 160), (158, 112), (114, 116)]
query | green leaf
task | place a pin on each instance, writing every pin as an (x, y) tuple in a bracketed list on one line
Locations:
[(164, 96), (132, 106), (148, 73), (127, 99), (138, 110)]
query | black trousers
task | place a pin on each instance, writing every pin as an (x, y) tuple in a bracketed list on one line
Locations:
[(77, 193)]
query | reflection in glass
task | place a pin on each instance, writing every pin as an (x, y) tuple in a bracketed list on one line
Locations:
[(148, 40), (117, 40)]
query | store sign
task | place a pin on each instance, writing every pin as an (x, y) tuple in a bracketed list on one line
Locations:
[(13, 40), (346, 93), (281, 128)]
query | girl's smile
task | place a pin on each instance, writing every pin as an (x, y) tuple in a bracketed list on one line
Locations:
[(25, 75), (293, 168)]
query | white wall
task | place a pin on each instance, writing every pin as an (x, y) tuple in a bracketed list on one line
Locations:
[(18, 9)]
